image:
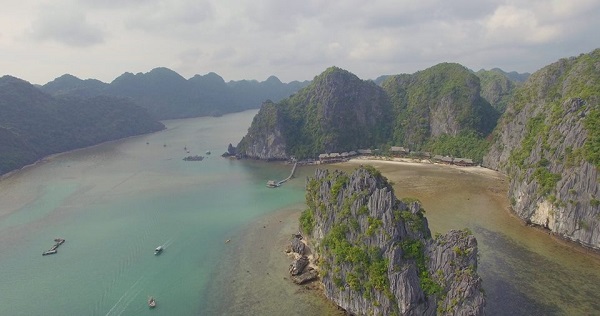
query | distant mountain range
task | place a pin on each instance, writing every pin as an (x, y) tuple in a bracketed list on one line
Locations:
[(168, 95), (34, 124)]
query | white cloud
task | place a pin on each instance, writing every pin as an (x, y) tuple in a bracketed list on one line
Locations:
[(293, 40), (69, 27), (510, 24)]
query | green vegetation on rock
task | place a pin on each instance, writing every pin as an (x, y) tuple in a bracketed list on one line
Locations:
[(467, 144), (438, 108), (441, 100), (414, 249), (592, 144)]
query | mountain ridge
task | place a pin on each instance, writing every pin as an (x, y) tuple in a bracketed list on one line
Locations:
[(340, 112), (167, 95), (34, 124)]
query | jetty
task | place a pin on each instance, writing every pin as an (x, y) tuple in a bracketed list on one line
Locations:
[(54, 248), (274, 184)]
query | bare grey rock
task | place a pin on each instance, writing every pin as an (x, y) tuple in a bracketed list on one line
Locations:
[(298, 246), (377, 256), (539, 144), (298, 265), (306, 277)]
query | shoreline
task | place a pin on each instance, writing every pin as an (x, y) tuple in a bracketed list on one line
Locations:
[(259, 268), (422, 163), (50, 157), (482, 171)]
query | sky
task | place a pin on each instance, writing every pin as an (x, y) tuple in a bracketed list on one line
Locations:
[(293, 40)]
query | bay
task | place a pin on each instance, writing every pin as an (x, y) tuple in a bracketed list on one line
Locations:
[(115, 202)]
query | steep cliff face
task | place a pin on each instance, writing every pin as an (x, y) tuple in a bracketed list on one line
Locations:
[(337, 112), (376, 255), (265, 138), (548, 142)]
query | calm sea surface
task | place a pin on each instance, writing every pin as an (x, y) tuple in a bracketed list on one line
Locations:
[(116, 202)]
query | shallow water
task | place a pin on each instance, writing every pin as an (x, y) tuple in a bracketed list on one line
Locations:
[(114, 203), (525, 271)]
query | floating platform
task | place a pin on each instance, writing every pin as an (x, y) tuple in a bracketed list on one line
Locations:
[(54, 248), (49, 252)]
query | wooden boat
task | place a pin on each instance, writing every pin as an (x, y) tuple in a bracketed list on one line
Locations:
[(151, 302)]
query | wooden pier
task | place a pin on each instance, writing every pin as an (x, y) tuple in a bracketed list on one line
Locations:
[(274, 184)]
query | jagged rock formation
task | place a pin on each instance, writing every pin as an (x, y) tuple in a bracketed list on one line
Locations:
[(376, 255), (298, 246), (548, 143)]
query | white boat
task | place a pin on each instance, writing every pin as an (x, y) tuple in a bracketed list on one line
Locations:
[(158, 250), (151, 302)]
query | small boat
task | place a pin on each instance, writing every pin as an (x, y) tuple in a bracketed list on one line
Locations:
[(151, 302), (208, 152), (272, 184), (158, 250), (59, 241), (49, 252)]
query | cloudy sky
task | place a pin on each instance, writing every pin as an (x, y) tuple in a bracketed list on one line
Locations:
[(294, 40)]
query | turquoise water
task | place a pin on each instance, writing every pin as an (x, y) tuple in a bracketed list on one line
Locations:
[(116, 202)]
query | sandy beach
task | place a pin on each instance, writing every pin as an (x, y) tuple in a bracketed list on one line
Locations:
[(421, 163)]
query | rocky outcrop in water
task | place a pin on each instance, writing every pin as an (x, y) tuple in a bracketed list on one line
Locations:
[(376, 255), (548, 143)]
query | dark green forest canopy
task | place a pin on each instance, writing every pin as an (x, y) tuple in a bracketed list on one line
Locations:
[(34, 124)]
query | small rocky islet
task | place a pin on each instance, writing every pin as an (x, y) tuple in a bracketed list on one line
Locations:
[(373, 254)]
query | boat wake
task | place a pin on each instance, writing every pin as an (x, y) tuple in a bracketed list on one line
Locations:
[(168, 243), (128, 296)]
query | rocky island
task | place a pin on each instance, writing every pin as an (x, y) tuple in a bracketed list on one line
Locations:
[(375, 254), (548, 143)]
